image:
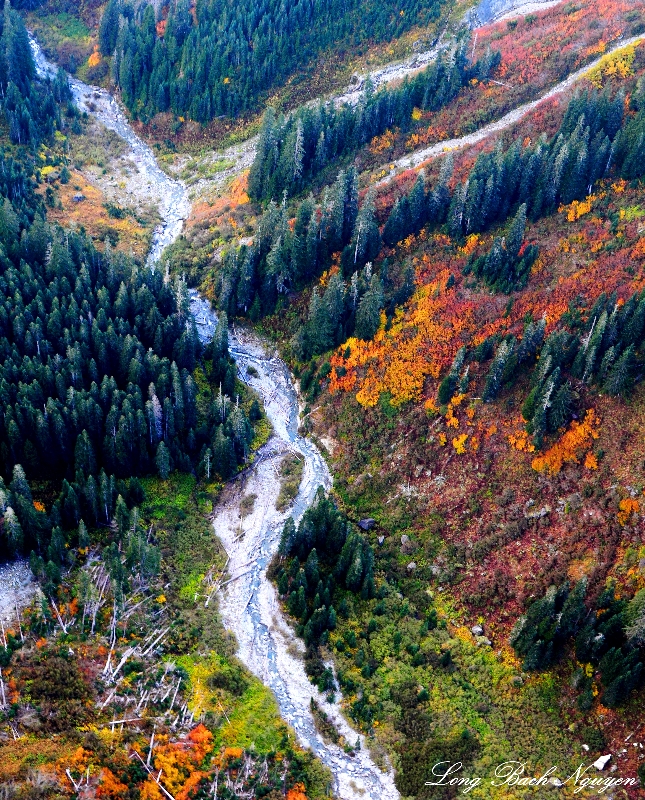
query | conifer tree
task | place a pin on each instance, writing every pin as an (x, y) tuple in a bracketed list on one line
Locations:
[(495, 375), (368, 314), (448, 384), (621, 378), (109, 28)]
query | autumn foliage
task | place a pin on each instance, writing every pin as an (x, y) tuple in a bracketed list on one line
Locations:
[(571, 446), (417, 344), (180, 764)]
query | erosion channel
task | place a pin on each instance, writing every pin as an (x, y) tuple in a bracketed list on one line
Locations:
[(248, 601)]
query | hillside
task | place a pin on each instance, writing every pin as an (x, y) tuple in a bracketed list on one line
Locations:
[(482, 405), (448, 253)]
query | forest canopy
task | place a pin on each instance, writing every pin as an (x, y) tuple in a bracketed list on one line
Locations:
[(103, 377), (220, 58)]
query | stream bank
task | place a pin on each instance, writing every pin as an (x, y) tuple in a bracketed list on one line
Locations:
[(248, 602)]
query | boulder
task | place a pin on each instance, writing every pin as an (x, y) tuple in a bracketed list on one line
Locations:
[(477, 630), (411, 566), (602, 762), (366, 524), (381, 539)]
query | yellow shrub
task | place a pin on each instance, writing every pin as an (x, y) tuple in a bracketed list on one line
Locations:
[(459, 443), (619, 63)]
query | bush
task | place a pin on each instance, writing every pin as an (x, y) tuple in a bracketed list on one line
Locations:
[(61, 692)]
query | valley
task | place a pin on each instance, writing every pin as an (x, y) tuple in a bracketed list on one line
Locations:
[(447, 358)]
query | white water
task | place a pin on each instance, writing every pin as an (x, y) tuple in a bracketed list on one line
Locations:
[(249, 604)]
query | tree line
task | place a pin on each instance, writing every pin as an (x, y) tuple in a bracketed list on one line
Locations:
[(218, 58), (294, 150)]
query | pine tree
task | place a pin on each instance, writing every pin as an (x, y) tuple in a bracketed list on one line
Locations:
[(366, 240), (562, 407), (368, 314), (13, 529), (496, 372), (394, 229), (109, 28), (515, 235), (531, 341), (621, 378), (264, 162), (417, 203), (298, 154), (83, 536), (334, 302), (573, 611), (162, 460), (456, 211), (439, 198), (448, 384)]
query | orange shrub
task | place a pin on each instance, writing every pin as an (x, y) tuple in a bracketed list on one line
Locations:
[(110, 787), (569, 448), (627, 507), (380, 144)]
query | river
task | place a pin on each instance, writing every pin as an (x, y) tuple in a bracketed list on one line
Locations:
[(248, 601), (169, 195)]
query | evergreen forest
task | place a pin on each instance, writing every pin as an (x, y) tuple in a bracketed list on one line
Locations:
[(219, 58)]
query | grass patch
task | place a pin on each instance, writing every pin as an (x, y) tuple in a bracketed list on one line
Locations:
[(173, 495), (196, 171), (291, 470), (244, 709), (246, 504), (96, 146), (255, 721), (66, 26), (188, 544)]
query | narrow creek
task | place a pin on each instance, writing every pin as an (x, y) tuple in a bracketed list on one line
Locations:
[(170, 196), (248, 602)]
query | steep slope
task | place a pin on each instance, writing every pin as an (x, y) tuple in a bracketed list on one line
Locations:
[(483, 409), (469, 343)]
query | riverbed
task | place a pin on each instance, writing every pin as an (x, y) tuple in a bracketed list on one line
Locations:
[(248, 601)]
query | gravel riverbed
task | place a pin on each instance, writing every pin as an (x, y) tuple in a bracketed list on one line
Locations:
[(248, 602)]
